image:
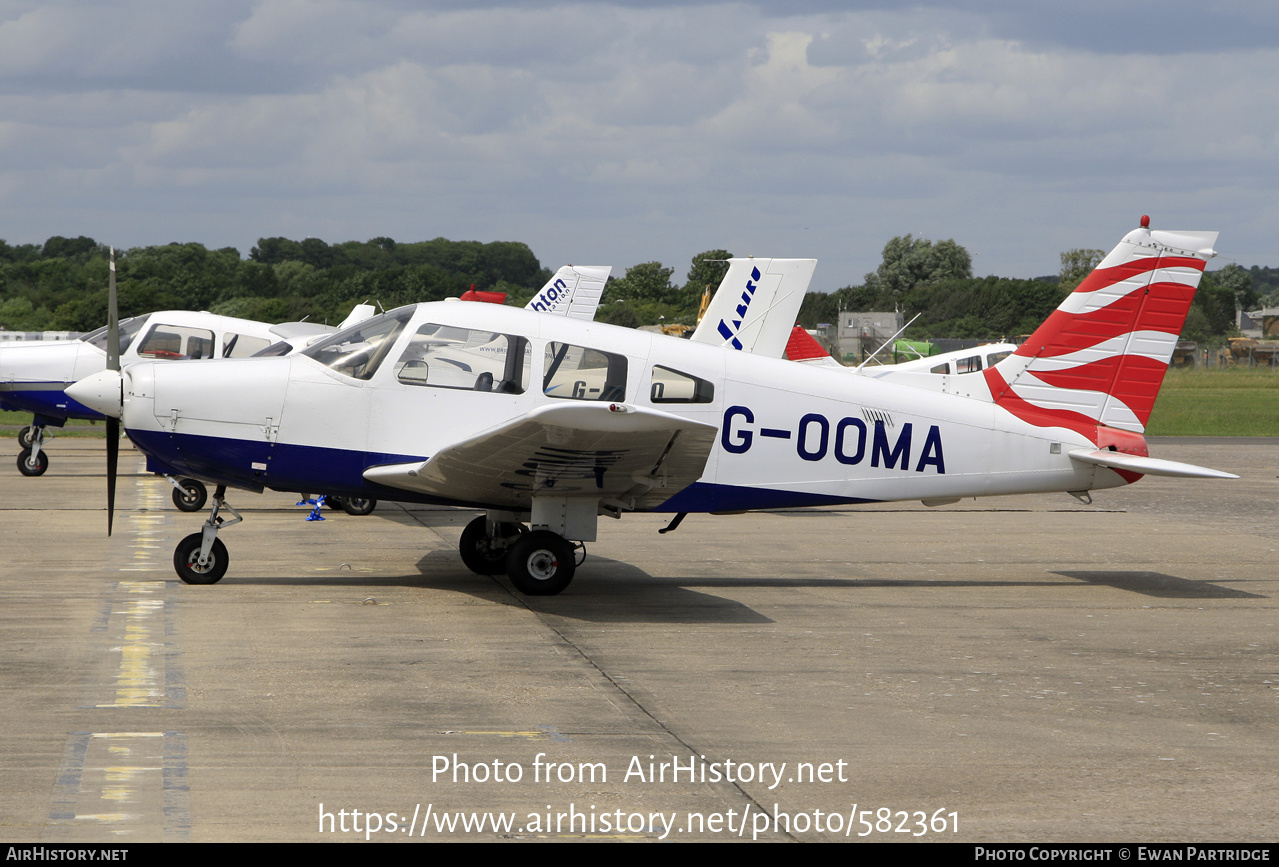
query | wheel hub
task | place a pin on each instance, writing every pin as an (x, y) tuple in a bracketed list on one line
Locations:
[(194, 562), (542, 565)]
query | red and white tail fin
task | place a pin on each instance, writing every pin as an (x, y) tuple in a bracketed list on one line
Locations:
[(1100, 358), (802, 346)]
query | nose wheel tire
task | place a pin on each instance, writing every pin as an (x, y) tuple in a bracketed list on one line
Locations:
[(359, 505), (192, 497), (540, 563), (191, 572), (26, 437), (32, 466)]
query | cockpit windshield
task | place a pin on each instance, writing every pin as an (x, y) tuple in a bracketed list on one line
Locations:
[(129, 329), (359, 350)]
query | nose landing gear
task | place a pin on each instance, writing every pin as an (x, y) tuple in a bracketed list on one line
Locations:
[(32, 460), (201, 558)]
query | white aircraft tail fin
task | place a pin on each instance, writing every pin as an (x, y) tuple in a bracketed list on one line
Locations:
[(574, 291), (1100, 358), (756, 305)]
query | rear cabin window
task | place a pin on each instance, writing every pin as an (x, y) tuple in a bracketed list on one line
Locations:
[(671, 386), (579, 373), (242, 345), (442, 356)]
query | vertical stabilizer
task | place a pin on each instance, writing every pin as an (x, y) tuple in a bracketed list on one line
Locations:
[(1100, 358), (756, 305), (574, 291)]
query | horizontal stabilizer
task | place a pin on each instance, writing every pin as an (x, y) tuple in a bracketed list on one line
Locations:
[(1146, 466)]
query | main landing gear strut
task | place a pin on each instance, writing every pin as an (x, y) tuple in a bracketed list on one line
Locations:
[(538, 562), (201, 558)]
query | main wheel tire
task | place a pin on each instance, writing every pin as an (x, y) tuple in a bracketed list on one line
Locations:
[(540, 563), (333, 502), (478, 551), (32, 466), (192, 497), (359, 505), (188, 551), (25, 437)]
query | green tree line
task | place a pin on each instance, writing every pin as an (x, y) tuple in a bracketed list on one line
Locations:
[(935, 281), (61, 284)]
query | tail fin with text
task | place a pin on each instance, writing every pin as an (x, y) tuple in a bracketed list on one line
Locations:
[(756, 305)]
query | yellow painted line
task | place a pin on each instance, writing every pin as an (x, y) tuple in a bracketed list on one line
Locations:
[(529, 735), (106, 817), (140, 681)]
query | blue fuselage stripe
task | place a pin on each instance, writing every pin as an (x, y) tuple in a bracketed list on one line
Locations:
[(47, 401), (313, 469)]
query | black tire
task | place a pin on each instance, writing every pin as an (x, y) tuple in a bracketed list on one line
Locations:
[(359, 505), (334, 503), (188, 550), (30, 466), (540, 563), (25, 437), (478, 551), (192, 497)]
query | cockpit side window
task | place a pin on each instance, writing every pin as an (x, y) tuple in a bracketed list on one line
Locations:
[(177, 342), (358, 351), (444, 356)]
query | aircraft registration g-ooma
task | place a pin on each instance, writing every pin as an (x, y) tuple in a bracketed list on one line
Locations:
[(585, 419)]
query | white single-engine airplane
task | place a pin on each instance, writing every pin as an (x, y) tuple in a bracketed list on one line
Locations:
[(34, 374), (589, 419)]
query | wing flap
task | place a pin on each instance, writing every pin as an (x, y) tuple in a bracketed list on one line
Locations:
[(641, 457)]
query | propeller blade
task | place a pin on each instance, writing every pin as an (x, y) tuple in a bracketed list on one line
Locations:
[(113, 363), (113, 461), (113, 318)]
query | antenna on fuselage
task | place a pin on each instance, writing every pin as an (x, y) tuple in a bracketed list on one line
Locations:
[(890, 340)]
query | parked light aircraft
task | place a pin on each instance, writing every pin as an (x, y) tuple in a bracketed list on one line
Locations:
[(34, 375), (675, 426), (804, 349)]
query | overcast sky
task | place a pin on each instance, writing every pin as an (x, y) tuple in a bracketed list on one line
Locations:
[(622, 132)]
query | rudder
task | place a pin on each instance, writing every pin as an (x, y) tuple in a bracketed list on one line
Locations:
[(1100, 358)]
